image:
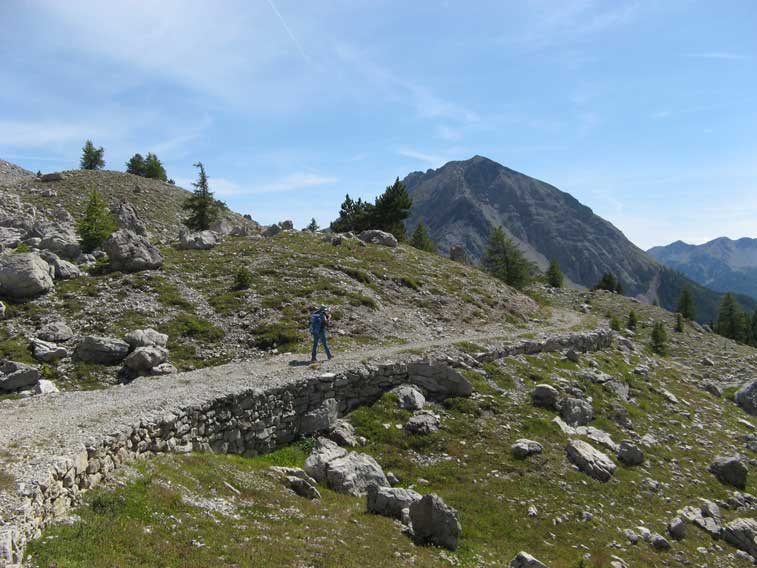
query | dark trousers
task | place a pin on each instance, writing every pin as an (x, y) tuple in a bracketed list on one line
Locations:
[(322, 338)]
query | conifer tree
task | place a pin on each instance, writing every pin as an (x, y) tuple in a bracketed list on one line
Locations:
[(686, 305), (504, 260), (202, 206), (609, 282), (679, 323), (659, 342), (97, 224), (154, 168), (633, 321), (555, 276), (421, 240), (353, 216), (92, 158), (136, 165), (614, 323), (391, 209), (729, 322), (753, 325), (312, 226)]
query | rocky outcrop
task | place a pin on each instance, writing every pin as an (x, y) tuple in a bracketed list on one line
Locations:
[(389, 502), (742, 533), (102, 350), (730, 470), (320, 419), (525, 560), (746, 397), (55, 332), (435, 522), (523, 448), (351, 473), (146, 338), (143, 360), (202, 240), (127, 218), (15, 376), (47, 352), (376, 237), (24, 276), (409, 397), (130, 252), (589, 460)]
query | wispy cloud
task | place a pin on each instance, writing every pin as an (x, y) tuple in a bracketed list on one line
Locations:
[(719, 55), (289, 31), (297, 180), (434, 160)]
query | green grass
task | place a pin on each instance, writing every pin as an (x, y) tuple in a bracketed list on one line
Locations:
[(278, 335)]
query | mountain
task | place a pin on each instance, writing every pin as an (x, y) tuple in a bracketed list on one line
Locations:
[(11, 172), (462, 201), (722, 264)]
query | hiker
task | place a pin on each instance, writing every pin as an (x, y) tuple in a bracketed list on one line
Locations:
[(319, 321)]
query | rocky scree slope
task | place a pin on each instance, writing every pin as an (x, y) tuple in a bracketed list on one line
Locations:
[(606, 458), (722, 264), (462, 202)]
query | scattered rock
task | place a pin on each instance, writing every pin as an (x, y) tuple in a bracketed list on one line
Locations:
[(25, 275), (102, 350), (62, 269), (730, 470), (354, 473), (659, 542), (746, 397), (271, 231), (523, 448), (55, 176), (46, 351), (128, 218), (458, 253), (2, 310), (545, 396), (44, 386), (56, 332), (164, 369), (344, 434), (677, 528), (146, 338), (202, 240), (422, 423), (130, 252), (324, 452), (439, 379), (742, 533), (15, 376), (576, 412), (298, 481), (376, 237), (572, 355), (389, 502), (409, 397), (143, 359), (630, 454), (435, 522), (525, 560), (590, 460)]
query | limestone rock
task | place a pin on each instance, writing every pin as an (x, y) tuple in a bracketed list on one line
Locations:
[(376, 237), (439, 380), (44, 386), (2, 310), (55, 176), (62, 269), (55, 332), (525, 560), (164, 369), (354, 473), (630, 454), (130, 252), (389, 502), (576, 412), (730, 470), (202, 240), (677, 528), (271, 231), (423, 423), (146, 338), (344, 434), (523, 448), (14, 376), (409, 397), (298, 481), (590, 460), (435, 522), (545, 396), (746, 397), (324, 452), (320, 419), (128, 218), (742, 533), (24, 275), (46, 351), (143, 359), (102, 350)]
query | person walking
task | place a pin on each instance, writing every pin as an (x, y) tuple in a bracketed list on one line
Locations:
[(319, 321)]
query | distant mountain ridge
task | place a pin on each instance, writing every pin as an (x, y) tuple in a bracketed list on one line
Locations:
[(723, 264), (462, 201)]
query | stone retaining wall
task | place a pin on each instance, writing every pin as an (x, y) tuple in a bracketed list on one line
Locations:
[(248, 423)]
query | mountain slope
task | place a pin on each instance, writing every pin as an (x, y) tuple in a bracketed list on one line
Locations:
[(461, 202), (722, 264)]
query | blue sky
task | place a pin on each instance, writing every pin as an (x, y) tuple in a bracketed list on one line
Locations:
[(644, 110)]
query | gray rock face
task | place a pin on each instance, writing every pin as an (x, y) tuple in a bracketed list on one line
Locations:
[(423, 423), (60, 242), (202, 240), (659, 542), (344, 434), (523, 448), (55, 332), (354, 473), (46, 351), (321, 419), (146, 338), (44, 386), (324, 452), (63, 270), (677, 528), (746, 397), (525, 560), (389, 502), (545, 396), (298, 481), (591, 461), (630, 454), (435, 522), (742, 533), (376, 237), (15, 376), (409, 397), (576, 412), (102, 350), (143, 359), (439, 380), (130, 252), (128, 218), (24, 276), (271, 231), (730, 470)]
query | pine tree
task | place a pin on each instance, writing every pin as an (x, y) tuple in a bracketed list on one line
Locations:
[(679, 323), (686, 305), (753, 325), (312, 226), (614, 323), (203, 208), (136, 165), (633, 321), (607, 282), (154, 168), (421, 240), (92, 158), (391, 209), (659, 339), (729, 318), (97, 224), (353, 216), (555, 276), (504, 260)]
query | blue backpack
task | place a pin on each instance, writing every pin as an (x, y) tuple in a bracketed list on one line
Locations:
[(316, 323)]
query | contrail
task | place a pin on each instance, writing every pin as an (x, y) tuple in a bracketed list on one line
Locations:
[(286, 27)]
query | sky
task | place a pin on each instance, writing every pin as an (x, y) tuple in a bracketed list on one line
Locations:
[(644, 110)]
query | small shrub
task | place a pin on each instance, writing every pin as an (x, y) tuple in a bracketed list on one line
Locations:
[(22, 248), (409, 282), (614, 323), (189, 325), (276, 335), (243, 279), (633, 321), (679, 323), (659, 342), (355, 273)]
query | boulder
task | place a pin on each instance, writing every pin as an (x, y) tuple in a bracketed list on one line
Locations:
[(659, 542), (15, 376), (409, 397), (576, 411), (62, 243), (354, 473), (146, 338), (143, 359), (677, 528), (730, 470), (44, 386), (202, 240), (324, 452), (376, 237), (630, 454), (545, 396), (164, 369), (130, 252), (525, 560), (55, 176), (746, 397), (271, 231), (435, 522), (742, 533), (24, 275), (286, 225), (320, 419), (46, 351), (589, 460), (423, 423), (298, 481), (102, 350), (389, 502), (344, 434), (128, 218), (523, 448), (438, 379), (62, 269), (55, 332)]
